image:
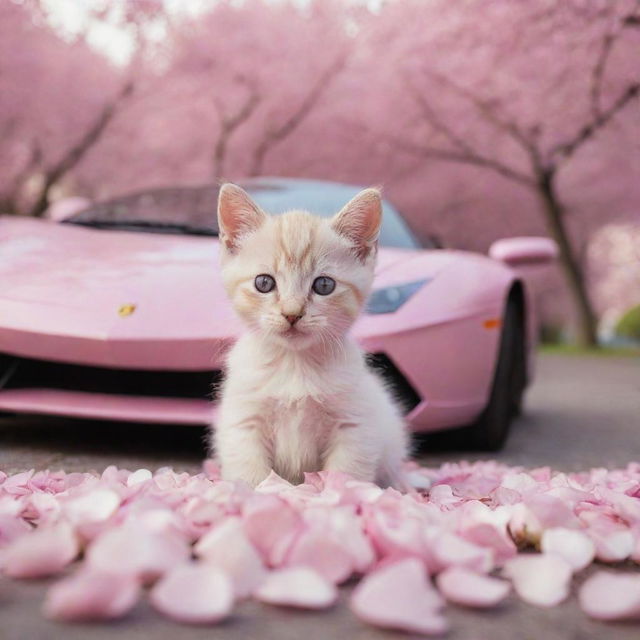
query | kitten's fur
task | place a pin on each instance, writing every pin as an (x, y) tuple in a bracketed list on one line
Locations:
[(300, 398)]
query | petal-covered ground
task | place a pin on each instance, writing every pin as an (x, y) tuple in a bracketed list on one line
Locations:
[(195, 545)]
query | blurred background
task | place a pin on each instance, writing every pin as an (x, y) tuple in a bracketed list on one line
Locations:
[(480, 118)]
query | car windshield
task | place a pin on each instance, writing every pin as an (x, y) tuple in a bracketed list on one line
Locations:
[(191, 210)]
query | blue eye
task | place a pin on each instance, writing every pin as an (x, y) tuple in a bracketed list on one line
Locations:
[(323, 285), (264, 283)]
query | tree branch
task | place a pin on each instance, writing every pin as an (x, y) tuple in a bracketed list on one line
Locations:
[(629, 21), (278, 133), (71, 158), (565, 149), (229, 124), (465, 157), (430, 115), (488, 112)]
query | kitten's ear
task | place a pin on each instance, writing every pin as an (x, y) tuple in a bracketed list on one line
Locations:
[(359, 221), (238, 215)]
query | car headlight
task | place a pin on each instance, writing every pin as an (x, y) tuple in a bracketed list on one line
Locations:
[(390, 299)]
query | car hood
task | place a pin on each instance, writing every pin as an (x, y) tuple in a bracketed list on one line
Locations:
[(172, 280), (70, 265)]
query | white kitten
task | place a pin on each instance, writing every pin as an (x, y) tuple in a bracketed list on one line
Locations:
[(297, 395)]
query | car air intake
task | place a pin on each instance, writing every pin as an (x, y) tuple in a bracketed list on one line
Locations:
[(26, 373), (406, 396)]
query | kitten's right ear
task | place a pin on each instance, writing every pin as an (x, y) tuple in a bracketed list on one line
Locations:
[(238, 215)]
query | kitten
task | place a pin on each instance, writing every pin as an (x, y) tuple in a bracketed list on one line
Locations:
[(297, 395)]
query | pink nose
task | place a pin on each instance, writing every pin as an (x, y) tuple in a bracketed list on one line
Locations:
[(292, 319)]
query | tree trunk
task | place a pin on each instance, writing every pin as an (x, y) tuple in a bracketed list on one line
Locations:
[(553, 210), (77, 152)]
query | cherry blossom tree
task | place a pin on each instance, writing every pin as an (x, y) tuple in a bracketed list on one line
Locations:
[(519, 89), (230, 86), (58, 99), (480, 118)]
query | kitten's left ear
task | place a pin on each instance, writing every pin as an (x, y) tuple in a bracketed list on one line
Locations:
[(238, 215), (359, 221)]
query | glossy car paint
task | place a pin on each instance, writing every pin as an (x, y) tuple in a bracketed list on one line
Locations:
[(62, 288)]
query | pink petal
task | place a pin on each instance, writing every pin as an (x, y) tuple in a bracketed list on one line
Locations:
[(635, 554), (574, 546), (465, 587), (92, 595), (537, 513), (614, 545), (542, 580), (41, 508), (95, 506), (611, 596), (347, 527), (452, 550), (316, 550), (11, 527), (442, 495), (273, 483), (228, 548), (40, 553), (297, 587), (399, 596), (141, 475), (272, 526), (487, 535), (137, 552), (211, 469), (192, 593), (392, 530)]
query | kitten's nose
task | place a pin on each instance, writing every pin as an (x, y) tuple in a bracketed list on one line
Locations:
[(292, 319)]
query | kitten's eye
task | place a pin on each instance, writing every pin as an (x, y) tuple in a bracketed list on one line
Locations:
[(323, 285), (264, 283)]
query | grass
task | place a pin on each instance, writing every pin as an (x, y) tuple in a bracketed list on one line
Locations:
[(575, 350)]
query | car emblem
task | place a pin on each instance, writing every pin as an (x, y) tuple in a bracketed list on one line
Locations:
[(126, 310)]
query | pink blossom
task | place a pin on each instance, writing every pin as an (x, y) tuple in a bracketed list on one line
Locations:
[(468, 588), (42, 552), (400, 596), (194, 593), (300, 587), (92, 595)]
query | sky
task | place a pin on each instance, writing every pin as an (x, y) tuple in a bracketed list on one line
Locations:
[(71, 17)]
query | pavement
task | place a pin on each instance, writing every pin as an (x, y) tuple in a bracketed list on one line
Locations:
[(581, 412)]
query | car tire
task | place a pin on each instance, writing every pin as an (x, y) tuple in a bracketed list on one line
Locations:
[(491, 429)]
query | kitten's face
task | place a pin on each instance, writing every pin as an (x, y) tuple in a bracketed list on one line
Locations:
[(298, 279)]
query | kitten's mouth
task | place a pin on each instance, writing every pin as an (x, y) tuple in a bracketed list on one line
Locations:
[(291, 332)]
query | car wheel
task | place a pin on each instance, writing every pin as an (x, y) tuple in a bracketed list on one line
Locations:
[(490, 430)]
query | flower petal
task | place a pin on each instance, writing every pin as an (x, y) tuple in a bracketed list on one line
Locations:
[(194, 593), (574, 546), (272, 526), (542, 580), (466, 587), (40, 553), (228, 548), (132, 550), (316, 550), (399, 596), (92, 595), (297, 587), (611, 596)]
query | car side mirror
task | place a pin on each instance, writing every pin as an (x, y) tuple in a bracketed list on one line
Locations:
[(524, 251)]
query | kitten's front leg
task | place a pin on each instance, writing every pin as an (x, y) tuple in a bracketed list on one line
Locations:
[(241, 451), (349, 453)]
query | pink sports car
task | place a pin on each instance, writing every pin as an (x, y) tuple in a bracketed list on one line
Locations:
[(117, 311)]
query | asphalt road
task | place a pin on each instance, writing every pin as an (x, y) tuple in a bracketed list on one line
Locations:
[(582, 412)]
